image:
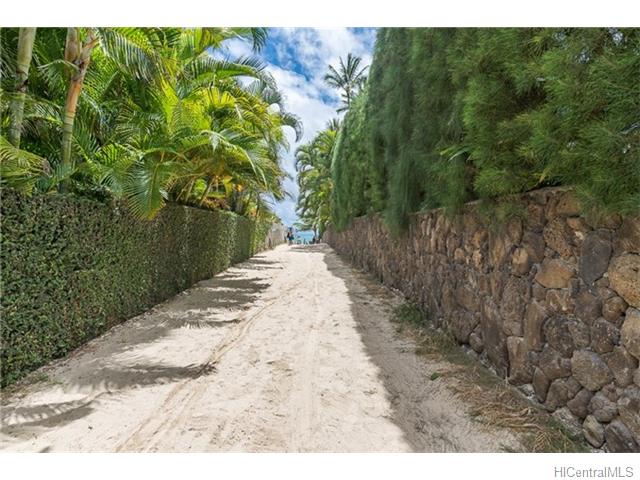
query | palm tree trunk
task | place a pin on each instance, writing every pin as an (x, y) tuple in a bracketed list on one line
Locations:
[(26, 39), (70, 106), (80, 56), (206, 192)]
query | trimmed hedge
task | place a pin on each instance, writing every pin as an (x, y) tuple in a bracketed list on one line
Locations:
[(74, 267)]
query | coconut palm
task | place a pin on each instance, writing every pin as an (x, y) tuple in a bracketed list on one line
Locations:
[(348, 78)]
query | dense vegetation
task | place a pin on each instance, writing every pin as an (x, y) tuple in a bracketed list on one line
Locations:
[(72, 267), (146, 115), (451, 115), (313, 163), (103, 133), (314, 158), (348, 79)]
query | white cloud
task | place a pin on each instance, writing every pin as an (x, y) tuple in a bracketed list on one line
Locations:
[(237, 48), (316, 49), (298, 60)]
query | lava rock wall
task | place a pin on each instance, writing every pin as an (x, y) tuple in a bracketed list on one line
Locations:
[(550, 299)]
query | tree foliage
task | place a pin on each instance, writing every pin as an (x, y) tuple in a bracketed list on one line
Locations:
[(316, 202), (357, 185), (450, 115), (153, 118), (348, 78), (313, 163)]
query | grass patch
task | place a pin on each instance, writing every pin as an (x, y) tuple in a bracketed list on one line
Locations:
[(37, 377), (493, 402), (408, 314)]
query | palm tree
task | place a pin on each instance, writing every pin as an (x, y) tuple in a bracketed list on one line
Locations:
[(333, 124), (156, 119), (348, 78), (26, 40), (77, 53), (313, 162), (210, 141)]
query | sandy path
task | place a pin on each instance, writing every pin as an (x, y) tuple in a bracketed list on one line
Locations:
[(290, 351)]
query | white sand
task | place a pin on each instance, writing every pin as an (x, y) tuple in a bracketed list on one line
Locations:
[(290, 351)]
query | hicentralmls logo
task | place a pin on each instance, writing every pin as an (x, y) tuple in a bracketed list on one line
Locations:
[(606, 472)]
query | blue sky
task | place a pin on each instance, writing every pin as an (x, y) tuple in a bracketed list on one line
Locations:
[(298, 59)]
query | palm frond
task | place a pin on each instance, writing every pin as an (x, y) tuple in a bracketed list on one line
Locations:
[(146, 189), (132, 48), (20, 169)]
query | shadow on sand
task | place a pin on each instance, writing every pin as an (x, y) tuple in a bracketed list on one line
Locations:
[(402, 373), (213, 303)]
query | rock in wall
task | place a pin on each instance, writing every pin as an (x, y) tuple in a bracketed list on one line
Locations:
[(551, 300), (275, 236)]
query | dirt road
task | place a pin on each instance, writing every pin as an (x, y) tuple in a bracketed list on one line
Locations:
[(290, 351)]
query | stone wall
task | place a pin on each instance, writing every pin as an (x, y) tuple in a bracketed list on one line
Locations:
[(275, 236), (550, 300)]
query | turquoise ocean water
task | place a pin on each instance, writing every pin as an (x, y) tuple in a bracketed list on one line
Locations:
[(304, 235)]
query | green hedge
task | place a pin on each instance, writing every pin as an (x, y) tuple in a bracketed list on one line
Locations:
[(452, 115), (74, 267)]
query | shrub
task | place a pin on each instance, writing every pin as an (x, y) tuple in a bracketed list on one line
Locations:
[(355, 191), (452, 115), (73, 267)]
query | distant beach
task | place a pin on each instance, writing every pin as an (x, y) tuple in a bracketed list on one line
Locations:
[(303, 236)]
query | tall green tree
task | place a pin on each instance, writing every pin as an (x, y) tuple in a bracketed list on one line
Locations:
[(453, 115), (155, 118), (348, 78), (313, 163), (357, 188)]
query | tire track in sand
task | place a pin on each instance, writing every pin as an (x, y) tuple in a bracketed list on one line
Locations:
[(157, 425)]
